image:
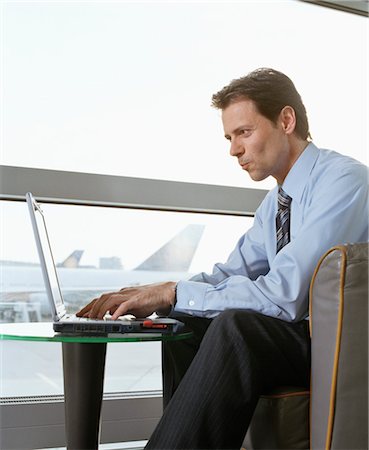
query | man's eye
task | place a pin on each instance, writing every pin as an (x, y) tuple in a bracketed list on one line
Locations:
[(246, 132)]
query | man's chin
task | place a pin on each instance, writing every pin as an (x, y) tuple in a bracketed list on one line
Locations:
[(255, 176)]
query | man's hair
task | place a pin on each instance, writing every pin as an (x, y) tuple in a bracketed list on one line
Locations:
[(270, 91)]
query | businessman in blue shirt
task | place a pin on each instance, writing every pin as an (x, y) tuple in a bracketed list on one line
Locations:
[(249, 316)]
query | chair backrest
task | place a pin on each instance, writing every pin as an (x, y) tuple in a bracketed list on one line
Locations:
[(339, 331)]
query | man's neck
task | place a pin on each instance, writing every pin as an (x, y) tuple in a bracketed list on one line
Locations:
[(297, 146)]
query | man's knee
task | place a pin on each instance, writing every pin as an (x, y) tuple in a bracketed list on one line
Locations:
[(227, 326), (240, 328), (231, 318)]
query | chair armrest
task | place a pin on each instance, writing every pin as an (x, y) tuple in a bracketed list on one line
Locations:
[(339, 332)]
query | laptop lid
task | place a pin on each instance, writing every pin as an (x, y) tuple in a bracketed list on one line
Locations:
[(46, 259)]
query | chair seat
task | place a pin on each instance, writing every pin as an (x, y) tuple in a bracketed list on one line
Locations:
[(280, 421)]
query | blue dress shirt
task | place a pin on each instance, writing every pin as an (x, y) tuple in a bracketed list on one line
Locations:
[(329, 206)]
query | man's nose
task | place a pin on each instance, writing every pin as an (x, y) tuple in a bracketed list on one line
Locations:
[(236, 149)]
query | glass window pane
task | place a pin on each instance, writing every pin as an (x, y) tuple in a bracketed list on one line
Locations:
[(130, 84), (98, 250), (35, 368), (101, 249)]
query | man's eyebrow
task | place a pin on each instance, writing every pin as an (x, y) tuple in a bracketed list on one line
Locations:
[(236, 130)]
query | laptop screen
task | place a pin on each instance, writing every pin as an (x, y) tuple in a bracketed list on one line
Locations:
[(46, 258)]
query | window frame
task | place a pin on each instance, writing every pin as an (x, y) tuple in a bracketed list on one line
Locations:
[(78, 188), (359, 7)]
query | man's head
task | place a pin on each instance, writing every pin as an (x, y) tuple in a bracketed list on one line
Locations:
[(265, 121), (270, 91)]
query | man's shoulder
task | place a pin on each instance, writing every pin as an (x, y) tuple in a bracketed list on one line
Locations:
[(327, 156), (336, 164)]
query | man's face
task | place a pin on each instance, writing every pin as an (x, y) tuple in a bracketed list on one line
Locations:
[(261, 146)]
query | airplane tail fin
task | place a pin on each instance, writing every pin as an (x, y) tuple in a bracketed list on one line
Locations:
[(72, 261), (177, 254)]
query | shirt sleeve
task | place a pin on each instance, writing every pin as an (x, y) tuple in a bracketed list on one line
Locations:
[(337, 213)]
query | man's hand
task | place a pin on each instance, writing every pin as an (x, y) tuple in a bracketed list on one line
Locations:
[(140, 301)]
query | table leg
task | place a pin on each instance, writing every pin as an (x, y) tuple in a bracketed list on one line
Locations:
[(83, 368)]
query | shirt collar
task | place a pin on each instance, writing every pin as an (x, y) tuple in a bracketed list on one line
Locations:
[(296, 179)]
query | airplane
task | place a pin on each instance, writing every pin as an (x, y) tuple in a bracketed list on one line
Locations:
[(22, 291)]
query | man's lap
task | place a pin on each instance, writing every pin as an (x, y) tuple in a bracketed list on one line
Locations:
[(276, 344)]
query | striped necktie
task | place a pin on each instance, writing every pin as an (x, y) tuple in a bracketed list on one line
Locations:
[(282, 219)]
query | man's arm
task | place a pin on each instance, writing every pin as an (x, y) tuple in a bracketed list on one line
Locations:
[(338, 213)]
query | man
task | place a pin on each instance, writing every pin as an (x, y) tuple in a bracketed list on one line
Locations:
[(249, 315)]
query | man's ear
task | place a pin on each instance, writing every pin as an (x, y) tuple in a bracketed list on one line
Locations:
[(288, 119)]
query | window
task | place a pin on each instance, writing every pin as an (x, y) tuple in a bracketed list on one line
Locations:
[(98, 250)]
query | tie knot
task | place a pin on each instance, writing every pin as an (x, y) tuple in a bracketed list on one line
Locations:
[(284, 200)]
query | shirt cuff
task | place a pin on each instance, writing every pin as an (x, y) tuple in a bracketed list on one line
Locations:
[(191, 297)]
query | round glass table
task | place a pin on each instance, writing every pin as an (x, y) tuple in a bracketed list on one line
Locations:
[(83, 373)]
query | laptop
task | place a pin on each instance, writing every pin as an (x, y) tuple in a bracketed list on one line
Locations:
[(72, 324)]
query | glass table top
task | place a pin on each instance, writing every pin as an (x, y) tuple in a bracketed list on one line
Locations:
[(43, 331)]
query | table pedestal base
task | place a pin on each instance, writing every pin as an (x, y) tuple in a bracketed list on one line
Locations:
[(83, 367)]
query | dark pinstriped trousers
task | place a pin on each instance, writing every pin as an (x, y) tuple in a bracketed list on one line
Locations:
[(212, 382)]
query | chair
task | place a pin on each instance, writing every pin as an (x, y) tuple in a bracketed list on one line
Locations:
[(337, 404)]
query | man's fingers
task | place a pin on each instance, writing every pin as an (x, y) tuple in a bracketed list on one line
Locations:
[(90, 308), (107, 302), (86, 308), (98, 307), (140, 301), (123, 308)]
